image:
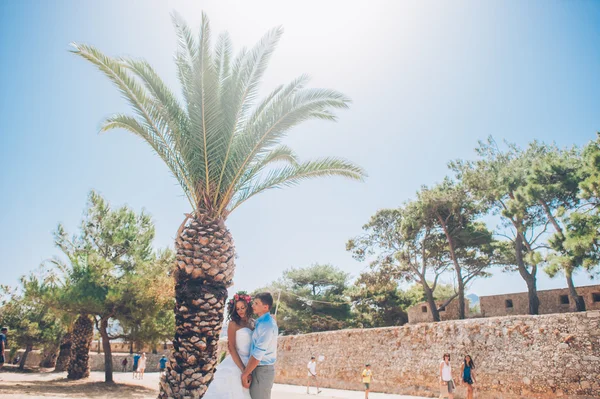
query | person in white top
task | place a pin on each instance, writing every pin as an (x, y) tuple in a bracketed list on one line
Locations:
[(446, 383), (312, 375), (142, 366)]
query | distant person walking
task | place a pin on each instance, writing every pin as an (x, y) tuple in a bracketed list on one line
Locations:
[(467, 372), (142, 366), (162, 364), (447, 386), (124, 364), (136, 360), (312, 375), (367, 378), (3, 344)]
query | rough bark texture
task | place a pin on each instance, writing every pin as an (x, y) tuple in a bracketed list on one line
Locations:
[(83, 330), (204, 270), (64, 354)]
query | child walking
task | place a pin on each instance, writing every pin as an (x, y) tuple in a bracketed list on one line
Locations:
[(367, 378)]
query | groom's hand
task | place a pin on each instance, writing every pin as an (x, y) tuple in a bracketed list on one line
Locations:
[(246, 379)]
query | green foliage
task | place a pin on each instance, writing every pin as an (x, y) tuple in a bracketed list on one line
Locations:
[(312, 299), (452, 211), (30, 321), (498, 178), (221, 144), (578, 244), (403, 247), (442, 292), (377, 301), (113, 274)]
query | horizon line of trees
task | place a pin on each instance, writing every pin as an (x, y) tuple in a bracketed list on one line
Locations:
[(518, 209)]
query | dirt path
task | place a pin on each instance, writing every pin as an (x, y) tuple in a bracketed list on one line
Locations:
[(47, 385)]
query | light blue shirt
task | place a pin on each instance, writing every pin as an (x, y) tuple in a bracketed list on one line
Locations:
[(264, 340)]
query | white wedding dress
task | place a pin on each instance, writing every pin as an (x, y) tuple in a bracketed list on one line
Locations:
[(227, 383)]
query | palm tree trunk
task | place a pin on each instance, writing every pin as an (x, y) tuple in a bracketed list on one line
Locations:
[(205, 267), (64, 354), (83, 332)]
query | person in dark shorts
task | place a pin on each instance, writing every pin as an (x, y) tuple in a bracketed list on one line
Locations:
[(136, 359), (467, 371), (3, 344), (367, 377), (124, 364), (163, 364)]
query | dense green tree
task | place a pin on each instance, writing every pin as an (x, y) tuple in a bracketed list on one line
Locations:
[(312, 299), (553, 183), (223, 147), (452, 210), (401, 245), (577, 240), (495, 178), (31, 322), (112, 274), (378, 302)]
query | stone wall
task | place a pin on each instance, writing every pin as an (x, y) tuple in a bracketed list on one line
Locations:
[(33, 358), (123, 347), (421, 314), (551, 301), (97, 361), (544, 356)]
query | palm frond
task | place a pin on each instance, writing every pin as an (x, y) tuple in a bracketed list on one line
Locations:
[(219, 142), (248, 71), (294, 174), (277, 118), (131, 124), (280, 154), (142, 103), (172, 113)]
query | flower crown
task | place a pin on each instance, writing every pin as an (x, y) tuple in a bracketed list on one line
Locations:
[(240, 296)]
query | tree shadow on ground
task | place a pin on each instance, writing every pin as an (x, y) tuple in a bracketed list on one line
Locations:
[(75, 389)]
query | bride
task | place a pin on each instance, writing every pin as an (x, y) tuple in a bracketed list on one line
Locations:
[(227, 383)]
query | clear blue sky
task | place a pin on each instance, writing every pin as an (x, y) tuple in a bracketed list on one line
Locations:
[(428, 80)]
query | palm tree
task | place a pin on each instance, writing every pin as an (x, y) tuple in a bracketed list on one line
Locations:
[(83, 332), (223, 147), (64, 353)]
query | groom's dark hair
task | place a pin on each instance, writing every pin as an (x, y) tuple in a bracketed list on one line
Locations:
[(266, 298)]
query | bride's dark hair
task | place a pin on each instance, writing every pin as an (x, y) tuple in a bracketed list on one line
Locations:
[(232, 313)]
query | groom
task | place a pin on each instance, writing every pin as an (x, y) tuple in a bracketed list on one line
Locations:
[(259, 373)]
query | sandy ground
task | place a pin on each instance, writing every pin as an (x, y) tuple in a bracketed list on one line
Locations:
[(48, 385)]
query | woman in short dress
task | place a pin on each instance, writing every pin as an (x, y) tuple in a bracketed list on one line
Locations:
[(142, 366), (467, 371)]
